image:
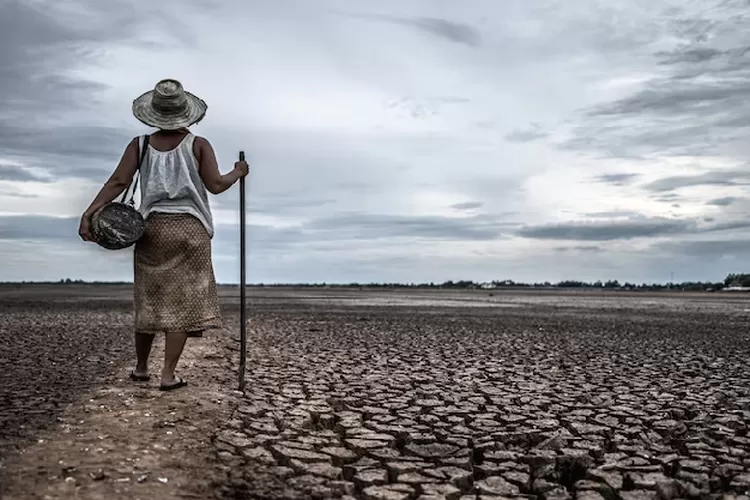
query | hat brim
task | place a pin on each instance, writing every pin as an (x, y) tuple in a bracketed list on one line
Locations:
[(195, 110)]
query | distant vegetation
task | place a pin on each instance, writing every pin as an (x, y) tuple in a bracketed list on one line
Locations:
[(732, 281)]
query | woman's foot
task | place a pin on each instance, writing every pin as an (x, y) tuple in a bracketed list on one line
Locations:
[(173, 384), (139, 376)]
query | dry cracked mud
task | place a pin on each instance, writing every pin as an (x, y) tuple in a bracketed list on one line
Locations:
[(404, 395), (55, 346), (551, 401)]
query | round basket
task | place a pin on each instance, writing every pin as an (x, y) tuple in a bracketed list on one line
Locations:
[(117, 225)]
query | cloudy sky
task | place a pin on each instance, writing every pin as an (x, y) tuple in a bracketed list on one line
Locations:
[(401, 140)]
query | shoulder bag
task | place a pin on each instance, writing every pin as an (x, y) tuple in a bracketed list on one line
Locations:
[(118, 224)]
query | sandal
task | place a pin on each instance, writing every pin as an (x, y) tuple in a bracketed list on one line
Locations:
[(180, 383), (139, 378)]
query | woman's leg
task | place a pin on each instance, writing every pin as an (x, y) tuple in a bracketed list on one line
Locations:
[(143, 344), (173, 345)]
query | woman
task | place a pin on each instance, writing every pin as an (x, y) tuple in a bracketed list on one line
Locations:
[(175, 289)]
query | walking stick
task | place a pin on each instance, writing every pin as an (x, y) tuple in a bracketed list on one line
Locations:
[(243, 319)]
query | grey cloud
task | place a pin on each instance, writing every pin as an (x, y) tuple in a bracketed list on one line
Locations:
[(34, 86), (678, 98), (613, 137), (667, 197), (34, 89), (260, 238), (726, 226), (15, 37), (695, 103), (86, 152), (41, 47), (33, 227), (16, 194), (580, 248), (625, 229), (619, 179), (277, 204), (526, 135), (373, 226), (692, 55), (357, 232), (77, 140), (18, 174), (606, 230), (449, 30), (723, 202), (706, 249), (353, 186), (612, 214), (469, 205), (715, 178), (30, 40)]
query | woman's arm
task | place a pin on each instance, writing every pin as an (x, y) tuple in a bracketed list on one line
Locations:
[(119, 180), (208, 168), (115, 185)]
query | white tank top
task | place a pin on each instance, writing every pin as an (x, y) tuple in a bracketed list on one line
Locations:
[(170, 183)]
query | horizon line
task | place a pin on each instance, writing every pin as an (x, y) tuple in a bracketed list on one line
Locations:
[(566, 283)]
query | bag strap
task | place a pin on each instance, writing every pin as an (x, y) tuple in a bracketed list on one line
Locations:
[(142, 147)]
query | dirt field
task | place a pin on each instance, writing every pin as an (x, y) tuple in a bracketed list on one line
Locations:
[(380, 395)]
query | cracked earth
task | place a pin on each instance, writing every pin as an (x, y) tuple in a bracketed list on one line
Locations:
[(411, 395), (545, 400)]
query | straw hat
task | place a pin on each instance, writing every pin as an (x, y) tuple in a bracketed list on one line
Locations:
[(169, 107)]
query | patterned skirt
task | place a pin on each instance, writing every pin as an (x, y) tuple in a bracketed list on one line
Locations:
[(175, 288)]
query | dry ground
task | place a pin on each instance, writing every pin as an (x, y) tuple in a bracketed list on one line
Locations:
[(73, 425), (386, 395)]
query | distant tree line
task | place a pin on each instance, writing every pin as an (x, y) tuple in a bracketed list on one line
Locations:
[(514, 285), (66, 281), (742, 280), (731, 281)]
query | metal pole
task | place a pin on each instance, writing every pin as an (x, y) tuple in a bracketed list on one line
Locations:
[(243, 312)]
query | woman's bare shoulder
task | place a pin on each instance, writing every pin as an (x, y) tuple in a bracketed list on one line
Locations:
[(132, 145), (201, 148), (201, 141)]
